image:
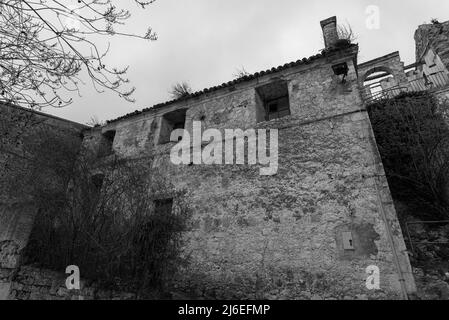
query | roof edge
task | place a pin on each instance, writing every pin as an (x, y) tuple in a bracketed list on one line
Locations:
[(10, 105)]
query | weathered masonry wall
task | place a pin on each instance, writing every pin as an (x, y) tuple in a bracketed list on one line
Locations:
[(16, 222), (281, 236), (32, 283), (432, 47), (23, 135), (22, 132), (435, 37)]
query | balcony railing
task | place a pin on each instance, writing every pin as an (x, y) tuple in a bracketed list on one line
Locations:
[(369, 96), (435, 80)]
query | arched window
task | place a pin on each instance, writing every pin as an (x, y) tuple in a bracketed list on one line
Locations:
[(379, 83)]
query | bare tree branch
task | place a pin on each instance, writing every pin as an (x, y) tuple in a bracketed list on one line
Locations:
[(45, 45)]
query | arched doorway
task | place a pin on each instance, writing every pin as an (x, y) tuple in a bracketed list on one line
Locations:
[(380, 83)]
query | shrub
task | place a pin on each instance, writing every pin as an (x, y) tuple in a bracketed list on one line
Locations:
[(108, 225), (413, 139)]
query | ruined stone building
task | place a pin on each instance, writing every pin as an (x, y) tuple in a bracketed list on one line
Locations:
[(313, 228), (387, 76)]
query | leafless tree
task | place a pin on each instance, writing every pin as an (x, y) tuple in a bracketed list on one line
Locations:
[(45, 45), (180, 90)]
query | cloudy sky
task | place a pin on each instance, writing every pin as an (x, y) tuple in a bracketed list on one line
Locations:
[(205, 41)]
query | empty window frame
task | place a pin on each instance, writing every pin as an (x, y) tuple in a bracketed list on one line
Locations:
[(170, 122), (278, 108), (272, 101)]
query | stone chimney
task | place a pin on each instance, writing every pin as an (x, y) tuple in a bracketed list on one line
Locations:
[(330, 33)]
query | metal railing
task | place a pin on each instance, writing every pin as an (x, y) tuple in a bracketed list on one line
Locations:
[(389, 93), (427, 82)]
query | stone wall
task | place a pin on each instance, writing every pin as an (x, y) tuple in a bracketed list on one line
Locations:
[(22, 132), (280, 236), (434, 36), (24, 136), (9, 260), (16, 222), (30, 283)]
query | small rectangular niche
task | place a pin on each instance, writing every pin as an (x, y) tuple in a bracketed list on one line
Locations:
[(272, 101), (348, 241), (170, 122)]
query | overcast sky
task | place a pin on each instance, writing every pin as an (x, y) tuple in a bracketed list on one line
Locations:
[(205, 41)]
